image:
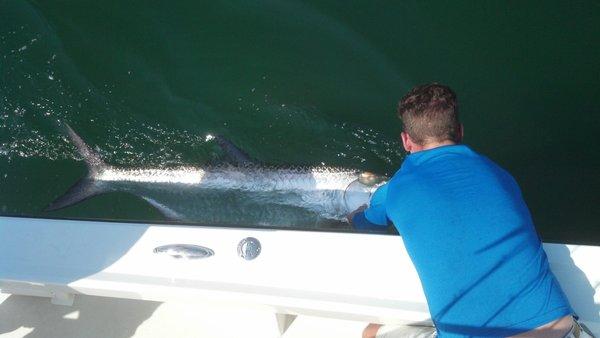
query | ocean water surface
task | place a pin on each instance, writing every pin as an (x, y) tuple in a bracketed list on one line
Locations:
[(296, 83)]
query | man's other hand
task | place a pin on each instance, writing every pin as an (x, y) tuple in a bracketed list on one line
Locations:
[(359, 209)]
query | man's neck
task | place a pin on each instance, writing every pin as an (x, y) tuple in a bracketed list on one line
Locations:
[(431, 145)]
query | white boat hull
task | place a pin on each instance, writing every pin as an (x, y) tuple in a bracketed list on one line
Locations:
[(363, 277)]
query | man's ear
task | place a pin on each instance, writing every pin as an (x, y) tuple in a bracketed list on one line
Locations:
[(461, 132), (406, 141)]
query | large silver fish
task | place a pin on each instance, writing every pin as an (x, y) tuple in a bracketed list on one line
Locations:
[(242, 193)]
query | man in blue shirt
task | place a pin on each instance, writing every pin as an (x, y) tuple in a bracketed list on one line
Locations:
[(468, 232)]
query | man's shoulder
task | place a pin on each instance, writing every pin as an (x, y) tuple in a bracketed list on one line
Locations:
[(401, 182), (459, 163)]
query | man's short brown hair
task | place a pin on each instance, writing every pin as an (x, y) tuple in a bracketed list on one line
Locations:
[(430, 113)]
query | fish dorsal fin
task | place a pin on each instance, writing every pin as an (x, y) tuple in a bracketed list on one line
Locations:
[(236, 155)]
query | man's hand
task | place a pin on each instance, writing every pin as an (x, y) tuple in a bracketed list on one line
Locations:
[(359, 209)]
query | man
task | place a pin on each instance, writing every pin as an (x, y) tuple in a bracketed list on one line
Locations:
[(468, 232)]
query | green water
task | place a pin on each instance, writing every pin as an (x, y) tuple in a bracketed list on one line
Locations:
[(299, 83)]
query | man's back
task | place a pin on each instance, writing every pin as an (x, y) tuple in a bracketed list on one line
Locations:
[(470, 236)]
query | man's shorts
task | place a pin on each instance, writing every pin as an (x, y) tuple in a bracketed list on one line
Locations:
[(410, 331), (579, 331)]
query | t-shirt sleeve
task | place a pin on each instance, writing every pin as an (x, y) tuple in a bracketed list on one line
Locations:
[(376, 212), (375, 216)]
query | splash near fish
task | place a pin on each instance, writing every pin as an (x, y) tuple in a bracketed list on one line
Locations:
[(240, 192)]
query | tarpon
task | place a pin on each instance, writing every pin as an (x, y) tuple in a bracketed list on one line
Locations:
[(240, 192)]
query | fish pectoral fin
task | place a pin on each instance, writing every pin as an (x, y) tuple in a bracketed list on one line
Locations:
[(163, 209), (235, 155)]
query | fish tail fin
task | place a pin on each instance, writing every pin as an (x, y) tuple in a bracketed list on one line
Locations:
[(91, 158), (87, 186)]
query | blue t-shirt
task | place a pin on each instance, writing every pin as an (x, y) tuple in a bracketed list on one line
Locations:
[(471, 238)]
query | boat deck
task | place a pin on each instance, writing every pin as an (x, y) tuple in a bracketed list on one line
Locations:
[(101, 317)]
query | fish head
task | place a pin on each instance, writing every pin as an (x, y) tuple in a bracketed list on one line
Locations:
[(370, 179), (359, 191)]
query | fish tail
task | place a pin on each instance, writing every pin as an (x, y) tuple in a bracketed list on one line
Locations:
[(87, 186)]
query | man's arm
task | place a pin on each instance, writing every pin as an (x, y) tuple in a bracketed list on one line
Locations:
[(373, 217)]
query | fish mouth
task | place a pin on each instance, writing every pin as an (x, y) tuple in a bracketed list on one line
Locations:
[(356, 195), (359, 191)]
